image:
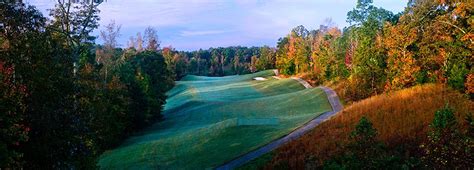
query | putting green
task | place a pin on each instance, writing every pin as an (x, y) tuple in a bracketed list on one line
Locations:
[(211, 120)]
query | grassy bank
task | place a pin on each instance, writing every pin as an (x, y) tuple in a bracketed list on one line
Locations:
[(401, 118)]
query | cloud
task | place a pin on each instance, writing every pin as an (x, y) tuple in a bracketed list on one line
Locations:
[(194, 24)]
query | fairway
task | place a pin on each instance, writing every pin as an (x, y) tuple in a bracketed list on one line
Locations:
[(211, 120)]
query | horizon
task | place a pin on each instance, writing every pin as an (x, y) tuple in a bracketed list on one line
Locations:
[(202, 24)]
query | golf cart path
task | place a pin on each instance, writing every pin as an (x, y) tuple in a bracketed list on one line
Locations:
[(336, 107)]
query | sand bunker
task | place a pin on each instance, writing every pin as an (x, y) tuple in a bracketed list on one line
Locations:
[(259, 78)]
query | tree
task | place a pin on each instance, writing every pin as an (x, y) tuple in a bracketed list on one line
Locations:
[(148, 80), (325, 59), (131, 43), (139, 42), (364, 151), (360, 13), (106, 56), (181, 65), (364, 144), (74, 23), (168, 54), (56, 112), (428, 44), (402, 66), (105, 107), (447, 147), (237, 67), (266, 59), (253, 64), (43, 64), (151, 37), (14, 130), (368, 61), (110, 35), (298, 49), (283, 62)]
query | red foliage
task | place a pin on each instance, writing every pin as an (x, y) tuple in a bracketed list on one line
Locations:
[(349, 55), (13, 128)]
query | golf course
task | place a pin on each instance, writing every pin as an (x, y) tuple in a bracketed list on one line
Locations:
[(209, 121)]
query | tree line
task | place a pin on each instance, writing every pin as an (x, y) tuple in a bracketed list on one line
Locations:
[(430, 42), (221, 61), (66, 99)]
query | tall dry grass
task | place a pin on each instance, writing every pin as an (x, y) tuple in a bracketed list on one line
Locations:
[(401, 119)]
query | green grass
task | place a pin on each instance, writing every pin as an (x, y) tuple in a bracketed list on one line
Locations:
[(211, 120)]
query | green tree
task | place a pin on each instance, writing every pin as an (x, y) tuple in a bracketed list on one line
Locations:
[(364, 143), (148, 79), (73, 24), (181, 65), (364, 151), (447, 147), (266, 59), (369, 59)]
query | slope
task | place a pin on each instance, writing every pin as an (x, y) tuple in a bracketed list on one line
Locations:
[(211, 120), (401, 119)]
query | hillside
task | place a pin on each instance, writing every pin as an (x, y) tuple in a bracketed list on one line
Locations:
[(210, 120), (401, 119)]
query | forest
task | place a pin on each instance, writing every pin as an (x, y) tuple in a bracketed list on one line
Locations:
[(66, 99), (430, 42)]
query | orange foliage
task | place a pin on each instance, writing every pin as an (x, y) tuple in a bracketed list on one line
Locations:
[(470, 84), (401, 61), (401, 118)]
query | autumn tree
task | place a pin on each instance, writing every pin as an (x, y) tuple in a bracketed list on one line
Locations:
[(284, 64), (403, 67), (169, 54), (326, 59), (139, 42), (151, 38), (253, 64), (106, 56), (298, 49)]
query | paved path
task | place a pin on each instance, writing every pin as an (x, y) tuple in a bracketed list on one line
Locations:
[(336, 107), (276, 72), (304, 83)]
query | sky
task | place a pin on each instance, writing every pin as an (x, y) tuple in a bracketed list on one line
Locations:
[(200, 24)]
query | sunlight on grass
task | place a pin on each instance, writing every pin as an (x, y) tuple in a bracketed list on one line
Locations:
[(210, 120)]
